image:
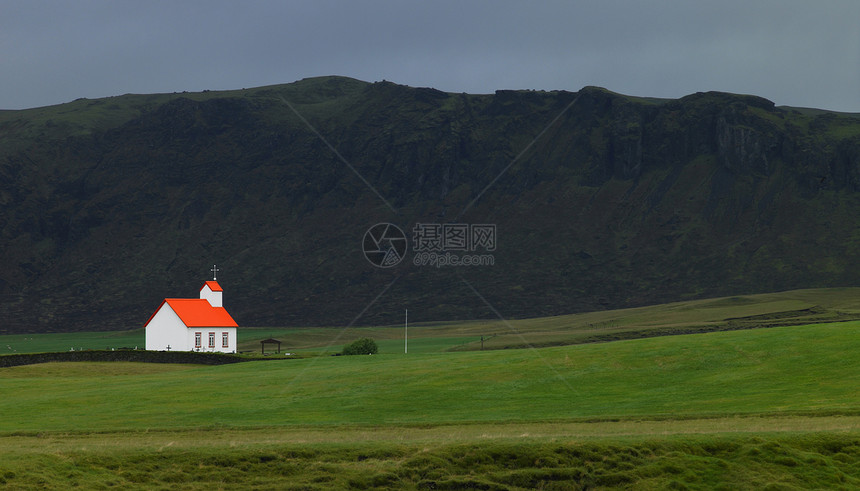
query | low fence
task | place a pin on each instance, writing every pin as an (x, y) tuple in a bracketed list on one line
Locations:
[(121, 355)]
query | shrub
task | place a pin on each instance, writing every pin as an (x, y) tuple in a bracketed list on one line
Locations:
[(363, 346)]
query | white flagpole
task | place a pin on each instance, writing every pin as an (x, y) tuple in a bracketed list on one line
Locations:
[(406, 333)]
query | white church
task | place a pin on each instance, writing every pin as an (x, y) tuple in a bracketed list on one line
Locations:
[(192, 324)]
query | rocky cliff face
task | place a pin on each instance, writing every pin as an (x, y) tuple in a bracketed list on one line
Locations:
[(111, 205)]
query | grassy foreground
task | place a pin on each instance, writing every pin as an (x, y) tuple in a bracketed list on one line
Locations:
[(759, 408), (262, 461)]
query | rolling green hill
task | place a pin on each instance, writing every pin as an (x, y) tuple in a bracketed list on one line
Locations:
[(792, 370), (743, 409), (796, 307), (767, 310), (601, 201)]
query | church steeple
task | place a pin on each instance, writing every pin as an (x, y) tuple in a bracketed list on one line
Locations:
[(212, 292)]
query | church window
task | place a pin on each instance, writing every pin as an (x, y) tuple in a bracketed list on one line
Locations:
[(198, 339), (211, 339)]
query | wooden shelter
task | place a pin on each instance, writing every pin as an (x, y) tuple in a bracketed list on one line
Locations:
[(264, 342)]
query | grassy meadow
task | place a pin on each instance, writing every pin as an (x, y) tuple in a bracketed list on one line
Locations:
[(774, 408), (268, 460), (730, 313), (785, 370), (795, 307)]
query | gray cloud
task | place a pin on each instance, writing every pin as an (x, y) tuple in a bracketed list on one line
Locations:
[(794, 52)]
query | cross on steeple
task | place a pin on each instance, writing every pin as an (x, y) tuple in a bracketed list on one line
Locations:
[(214, 273)]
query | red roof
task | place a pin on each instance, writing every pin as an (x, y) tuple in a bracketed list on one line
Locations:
[(198, 312), (213, 285)]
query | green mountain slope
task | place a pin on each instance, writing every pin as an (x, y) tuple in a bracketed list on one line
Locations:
[(600, 201)]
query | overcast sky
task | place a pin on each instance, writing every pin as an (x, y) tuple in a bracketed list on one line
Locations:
[(793, 52)]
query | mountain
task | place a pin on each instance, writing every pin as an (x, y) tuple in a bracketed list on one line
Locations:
[(599, 200)]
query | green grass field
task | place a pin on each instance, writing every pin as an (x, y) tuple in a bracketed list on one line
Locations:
[(785, 370), (740, 312), (774, 408), (275, 460), (731, 313)]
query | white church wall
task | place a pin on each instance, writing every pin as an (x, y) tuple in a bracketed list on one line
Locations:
[(218, 343), (166, 329), (232, 340)]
